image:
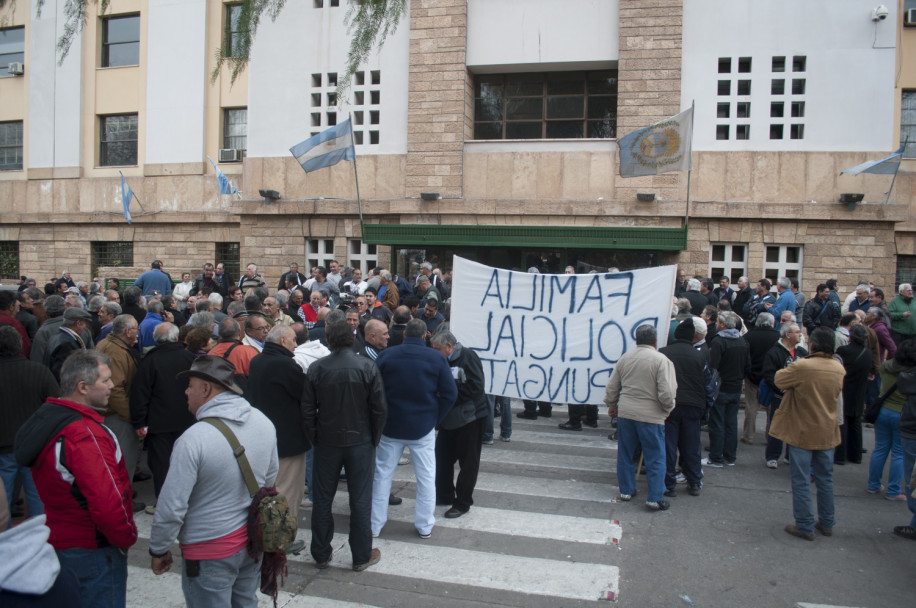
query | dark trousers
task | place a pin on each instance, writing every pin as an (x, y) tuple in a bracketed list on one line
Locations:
[(578, 410), (682, 433), (159, 452), (461, 445), (534, 407), (850, 447), (774, 446), (359, 462)]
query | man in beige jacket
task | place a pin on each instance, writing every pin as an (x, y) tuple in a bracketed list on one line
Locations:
[(641, 394), (808, 422)]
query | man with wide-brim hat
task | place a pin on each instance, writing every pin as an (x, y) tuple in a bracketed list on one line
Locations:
[(204, 500)]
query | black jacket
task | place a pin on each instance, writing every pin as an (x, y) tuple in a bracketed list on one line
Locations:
[(731, 357), (282, 284), (343, 401), (742, 297), (689, 365), (275, 384), (906, 384), (759, 340), (778, 358), (857, 363), (472, 403), (26, 385), (812, 317), (697, 302), (157, 399)]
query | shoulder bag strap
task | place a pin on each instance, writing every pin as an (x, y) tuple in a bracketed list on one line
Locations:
[(239, 451), (226, 357)]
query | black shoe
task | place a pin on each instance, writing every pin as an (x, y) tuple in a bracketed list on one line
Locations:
[(394, 500), (545, 413), (839, 462), (527, 416), (141, 476), (662, 505), (693, 490), (453, 513), (442, 503), (591, 423), (569, 426), (296, 548), (672, 492), (138, 506)]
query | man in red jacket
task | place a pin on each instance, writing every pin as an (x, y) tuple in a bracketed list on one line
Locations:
[(79, 471)]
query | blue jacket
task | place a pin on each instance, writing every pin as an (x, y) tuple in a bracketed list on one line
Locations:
[(419, 388), (146, 329), (154, 279), (786, 301)]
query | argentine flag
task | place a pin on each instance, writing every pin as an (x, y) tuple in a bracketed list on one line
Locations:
[(327, 148)]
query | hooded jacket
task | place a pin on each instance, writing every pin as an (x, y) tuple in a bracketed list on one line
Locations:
[(204, 496), (79, 471), (472, 403), (28, 564)]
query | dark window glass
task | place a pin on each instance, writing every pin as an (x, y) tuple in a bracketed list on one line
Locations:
[(908, 123), (721, 131), (778, 87), (798, 86), (744, 64), (725, 87), (744, 87), (799, 63), (235, 128), (118, 140), (12, 48), (779, 64), (723, 110), (744, 109), (110, 253), (742, 131), (565, 83), (775, 131), (797, 131), (120, 41), (565, 129), (11, 145), (725, 65), (798, 109), (488, 130), (9, 260), (228, 254), (523, 130), (777, 109), (566, 107), (234, 32), (521, 108)]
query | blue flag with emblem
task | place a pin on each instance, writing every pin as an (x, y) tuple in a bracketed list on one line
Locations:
[(659, 148), (886, 166), (225, 187), (126, 195), (326, 148)]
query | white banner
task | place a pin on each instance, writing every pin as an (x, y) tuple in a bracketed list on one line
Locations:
[(554, 337)]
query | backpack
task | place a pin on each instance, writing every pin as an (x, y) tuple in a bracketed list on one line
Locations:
[(271, 525)]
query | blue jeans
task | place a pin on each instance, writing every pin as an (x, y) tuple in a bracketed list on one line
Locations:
[(229, 581), (723, 428), (803, 464), (652, 438), (8, 470), (887, 440), (423, 459), (102, 575), (505, 419), (909, 459)]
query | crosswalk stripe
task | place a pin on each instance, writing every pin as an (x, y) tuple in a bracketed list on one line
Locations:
[(554, 461), (164, 591), (532, 486), (585, 440)]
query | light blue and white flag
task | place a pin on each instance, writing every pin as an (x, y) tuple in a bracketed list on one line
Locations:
[(225, 187), (327, 148), (659, 148), (886, 166), (126, 195)]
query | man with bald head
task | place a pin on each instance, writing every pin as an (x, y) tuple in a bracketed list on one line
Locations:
[(376, 339)]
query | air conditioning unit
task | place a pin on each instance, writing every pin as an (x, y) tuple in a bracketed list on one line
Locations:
[(909, 17), (229, 155), (16, 68)]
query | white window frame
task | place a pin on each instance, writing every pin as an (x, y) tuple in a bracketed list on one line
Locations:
[(782, 267), (362, 256), (727, 266)]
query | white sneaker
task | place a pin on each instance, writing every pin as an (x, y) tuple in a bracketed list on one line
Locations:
[(706, 462), (680, 478), (772, 464), (306, 502)]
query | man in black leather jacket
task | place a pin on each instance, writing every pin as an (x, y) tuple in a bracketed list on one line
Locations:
[(343, 412)]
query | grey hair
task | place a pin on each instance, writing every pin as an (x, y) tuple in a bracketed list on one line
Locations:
[(122, 323), (784, 282), (336, 316), (95, 303), (426, 265), (55, 305), (863, 287), (693, 284), (282, 299), (386, 275), (75, 301), (785, 328), (765, 319), (229, 329), (415, 329), (277, 334), (165, 333), (112, 308), (422, 279), (728, 319), (792, 318), (81, 366), (441, 338), (204, 320), (215, 299), (899, 289), (878, 313), (745, 279), (683, 305), (155, 307), (646, 334)]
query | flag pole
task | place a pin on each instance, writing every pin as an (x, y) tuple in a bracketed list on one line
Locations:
[(359, 203), (689, 171), (891, 189)]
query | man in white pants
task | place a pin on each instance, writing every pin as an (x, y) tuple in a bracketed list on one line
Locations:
[(420, 391)]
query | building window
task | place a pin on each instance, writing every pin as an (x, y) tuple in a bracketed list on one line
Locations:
[(799, 63), (743, 109), (553, 105), (778, 87), (118, 140), (320, 252), (727, 260), (230, 256), (120, 41), (723, 110), (12, 48), (779, 64), (111, 253), (362, 256), (11, 145), (782, 261), (742, 131), (235, 129), (9, 260), (722, 131), (775, 131), (906, 273), (232, 45), (744, 87), (908, 123), (725, 65), (367, 92), (323, 3), (797, 131)]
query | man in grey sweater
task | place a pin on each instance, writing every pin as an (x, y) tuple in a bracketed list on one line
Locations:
[(204, 501)]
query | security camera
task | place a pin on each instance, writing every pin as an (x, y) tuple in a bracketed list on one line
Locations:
[(880, 13)]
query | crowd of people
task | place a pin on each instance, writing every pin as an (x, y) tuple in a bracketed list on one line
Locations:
[(337, 376)]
